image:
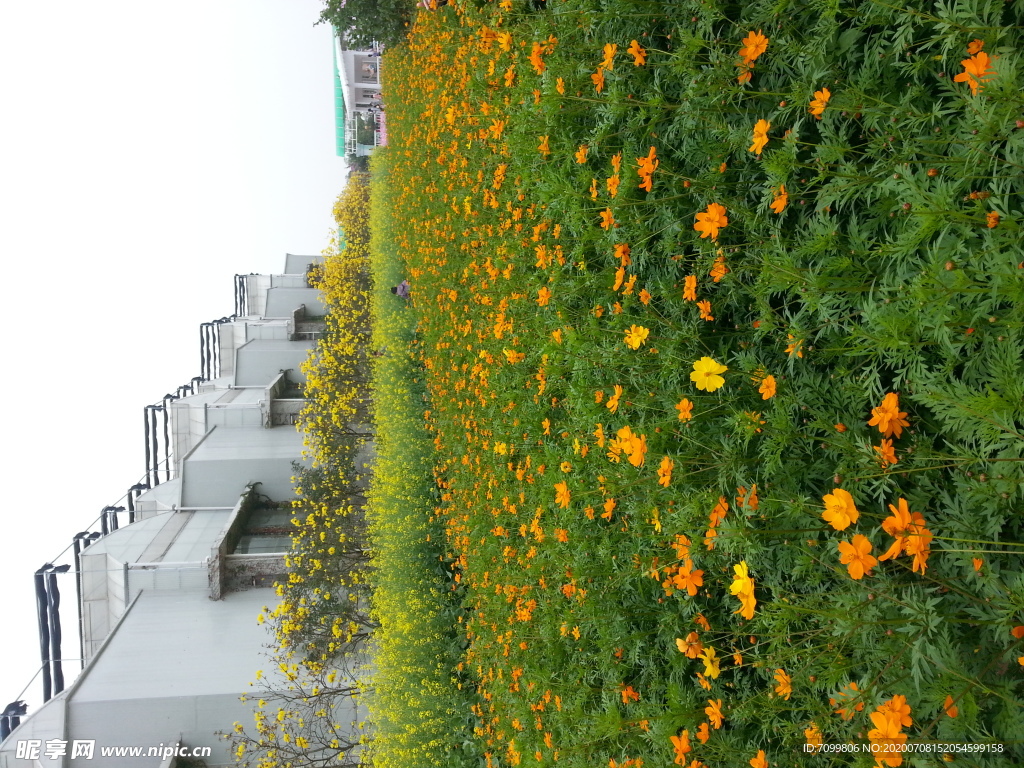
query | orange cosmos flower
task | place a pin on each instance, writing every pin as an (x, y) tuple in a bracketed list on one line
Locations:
[(703, 733), (560, 86), (646, 168), (950, 707), (760, 136), (897, 711), (897, 525), (887, 741), (719, 270), (681, 744), (760, 761), (628, 694), (819, 102), (709, 222), (703, 622), (535, 58), (785, 684), (610, 49), (846, 694), (622, 254), (562, 495), (754, 44), (745, 500), (714, 713), (645, 297), (974, 46), (665, 472), (721, 509), (689, 579), (613, 401), (691, 646), (581, 154), (840, 510), (607, 219), (705, 310), (991, 219), (633, 445), (918, 543), (886, 454), (620, 275), (543, 296), (977, 70), (636, 336), (543, 146), (767, 388), (690, 288), (598, 79), (779, 199), (888, 417), (638, 52), (685, 408), (795, 346), (813, 736), (977, 562), (856, 556), (609, 507)]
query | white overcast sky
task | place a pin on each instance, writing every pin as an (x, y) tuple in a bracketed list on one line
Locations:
[(150, 152)]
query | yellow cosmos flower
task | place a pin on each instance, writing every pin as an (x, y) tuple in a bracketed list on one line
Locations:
[(706, 374), (712, 664), (636, 336)]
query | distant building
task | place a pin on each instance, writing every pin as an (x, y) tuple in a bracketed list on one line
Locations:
[(170, 587), (359, 118)]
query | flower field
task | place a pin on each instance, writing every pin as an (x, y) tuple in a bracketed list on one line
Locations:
[(714, 357)]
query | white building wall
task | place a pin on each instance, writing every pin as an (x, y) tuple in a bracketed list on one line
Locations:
[(165, 662)]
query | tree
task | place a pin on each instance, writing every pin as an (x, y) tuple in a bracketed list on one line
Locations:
[(364, 22)]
